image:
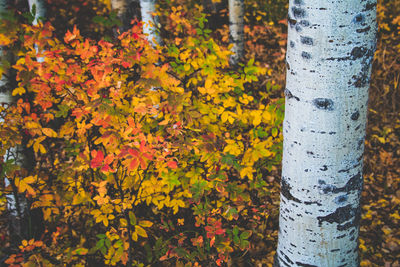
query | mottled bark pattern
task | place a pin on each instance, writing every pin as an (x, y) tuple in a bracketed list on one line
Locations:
[(148, 7), (331, 44), (236, 29)]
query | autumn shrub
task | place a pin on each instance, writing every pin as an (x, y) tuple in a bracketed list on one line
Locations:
[(138, 156)]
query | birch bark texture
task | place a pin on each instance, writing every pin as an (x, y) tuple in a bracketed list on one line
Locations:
[(148, 7), (236, 29), (331, 44), (40, 10)]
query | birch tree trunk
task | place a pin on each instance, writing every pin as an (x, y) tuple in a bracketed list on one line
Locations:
[(148, 7), (127, 10), (39, 7), (236, 29), (331, 44), (5, 95), (40, 12)]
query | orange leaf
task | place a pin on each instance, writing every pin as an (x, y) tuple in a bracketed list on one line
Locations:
[(172, 164)]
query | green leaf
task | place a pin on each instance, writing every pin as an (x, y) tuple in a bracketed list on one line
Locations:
[(132, 218), (244, 235)]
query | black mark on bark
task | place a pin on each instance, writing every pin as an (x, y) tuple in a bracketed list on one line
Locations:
[(369, 6), (360, 143), (287, 65), (287, 258), (324, 168), (291, 21), (341, 215), (355, 183), (323, 103), (290, 95), (340, 237), (285, 191), (304, 23), (306, 40), (298, 12), (355, 115), (291, 44), (358, 52), (305, 264), (363, 30), (360, 18), (298, 2), (305, 55)]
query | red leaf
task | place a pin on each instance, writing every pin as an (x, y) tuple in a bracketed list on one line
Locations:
[(219, 231), (134, 164), (133, 152), (105, 168), (172, 164), (97, 160)]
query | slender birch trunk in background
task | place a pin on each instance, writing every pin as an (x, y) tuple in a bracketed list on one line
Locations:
[(119, 6), (13, 200), (127, 10), (40, 12), (40, 9), (236, 29), (331, 44), (148, 7), (5, 95)]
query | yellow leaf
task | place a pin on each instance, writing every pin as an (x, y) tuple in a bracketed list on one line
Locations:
[(18, 91), (42, 149), (140, 231), (24, 243), (123, 222), (145, 223), (208, 83), (30, 179), (266, 116), (224, 117), (248, 171), (49, 132), (257, 119), (134, 236)]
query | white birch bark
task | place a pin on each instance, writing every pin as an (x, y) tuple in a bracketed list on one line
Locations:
[(40, 12), (148, 7), (236, 29), (40, 9), (5, 99), (331, 44)]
